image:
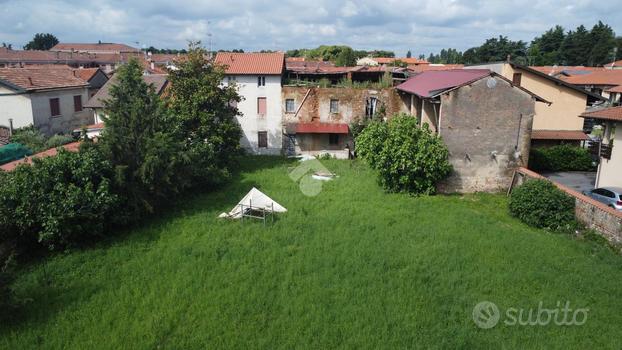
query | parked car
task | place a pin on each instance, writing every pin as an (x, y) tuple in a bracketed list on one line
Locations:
[(611, 196)]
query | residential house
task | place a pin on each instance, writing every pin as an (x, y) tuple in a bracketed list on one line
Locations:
[(610, 151), (96, 103), (49, 98), (317, 119), (558, 121), (330, 75), (258, 77), (93, 48), (95, 77), (604, 82), (484, 119)]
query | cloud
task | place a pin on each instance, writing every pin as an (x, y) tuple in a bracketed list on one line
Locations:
[(421, 26)]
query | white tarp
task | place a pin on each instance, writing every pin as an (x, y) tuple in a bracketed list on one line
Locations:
[(256, 199)]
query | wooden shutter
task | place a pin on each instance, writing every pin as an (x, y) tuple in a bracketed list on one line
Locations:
[(516, 78), (77, 103), (54, 107), (262, 139), (261, 106)]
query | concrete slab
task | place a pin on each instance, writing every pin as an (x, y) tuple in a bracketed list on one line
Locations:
[(577, 180)]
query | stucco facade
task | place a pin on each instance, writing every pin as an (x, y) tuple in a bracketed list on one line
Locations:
[(34, 108), (251, 121), (610, 170)]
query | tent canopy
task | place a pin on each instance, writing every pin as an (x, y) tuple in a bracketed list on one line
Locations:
[(254, 199)]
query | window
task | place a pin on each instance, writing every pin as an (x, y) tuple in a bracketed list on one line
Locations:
[(262, 139), (370, 106), (77, 103), (230, 79), (333, 139), (261, 81), (261, 106), (516, 78), (334, 106), (54, 107), (289, 105)]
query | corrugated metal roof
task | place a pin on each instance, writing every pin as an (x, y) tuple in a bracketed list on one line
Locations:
[(431, 83), (252, 63)]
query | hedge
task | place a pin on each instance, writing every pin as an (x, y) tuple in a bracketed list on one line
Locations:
[(560, 158)]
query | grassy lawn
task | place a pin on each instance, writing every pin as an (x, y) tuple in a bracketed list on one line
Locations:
[(353, 267)]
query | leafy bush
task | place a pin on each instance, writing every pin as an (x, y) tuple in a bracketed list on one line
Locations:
[(30, 137), (58, 140), (408, 158), (560, 158), (540, 204), (58, 201)]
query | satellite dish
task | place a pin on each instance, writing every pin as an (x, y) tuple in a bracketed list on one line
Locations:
[(491, 83)]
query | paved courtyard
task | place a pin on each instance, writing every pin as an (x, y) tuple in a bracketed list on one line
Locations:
[(577, 180)]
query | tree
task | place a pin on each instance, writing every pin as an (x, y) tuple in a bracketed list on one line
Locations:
[(576, 48), (407, 158), (7, 46), (204, 112), (546, 49), (409, 54), (603, 39), (345, 58), (147, 158), (41, 41)]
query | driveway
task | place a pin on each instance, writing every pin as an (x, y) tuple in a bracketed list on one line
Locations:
[(577, 180)]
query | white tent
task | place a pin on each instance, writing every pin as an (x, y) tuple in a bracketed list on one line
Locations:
[(254, 199)]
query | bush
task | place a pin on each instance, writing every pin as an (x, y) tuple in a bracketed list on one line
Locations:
[(540, 204), (58, 201), (408, 158), (30, 137), (560, 158), (58, 140)]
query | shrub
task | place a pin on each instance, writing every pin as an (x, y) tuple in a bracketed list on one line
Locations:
[(540, 204), (560, 158), (58, 140), (58, 201), (408, 158), (30, 137)]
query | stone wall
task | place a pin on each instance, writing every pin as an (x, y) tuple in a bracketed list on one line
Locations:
[(593, 214), (487, 129)]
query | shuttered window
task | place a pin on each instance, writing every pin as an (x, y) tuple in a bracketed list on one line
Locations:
[(262, 139), (261, 106), (516, 78), (77, 103), (54, 107)]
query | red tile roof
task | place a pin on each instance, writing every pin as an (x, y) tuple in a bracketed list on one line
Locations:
[(30, 79), (613, 113), (86, 73), (614, 64), (252, 63), (58, 57), (558, 135), (389, 60), (431, 83), (158, 81), (86, 47), (615, 89), (427, 67), (72, 147), (568, 70), (321, 128), (599, 77)]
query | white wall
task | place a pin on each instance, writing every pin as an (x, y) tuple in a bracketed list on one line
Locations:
[(250, 122), (610, 172), (17, 107), (68, 120)]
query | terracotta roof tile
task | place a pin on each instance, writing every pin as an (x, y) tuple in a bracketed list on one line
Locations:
[(96, 47), (72, 147), (599, 77), (613, 113), (558, 135), (252, 63), (31, 79), (86, 73)]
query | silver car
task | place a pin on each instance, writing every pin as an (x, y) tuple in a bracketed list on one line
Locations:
[(611, 196)]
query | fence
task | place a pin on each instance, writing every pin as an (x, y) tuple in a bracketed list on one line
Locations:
[(593, 214)]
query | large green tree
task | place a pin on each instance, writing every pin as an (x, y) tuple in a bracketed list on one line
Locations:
[(41, 41), (604, 41), (204, 112), (139, 140)]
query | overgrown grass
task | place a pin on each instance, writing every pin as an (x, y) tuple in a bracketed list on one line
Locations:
[(350, 268)]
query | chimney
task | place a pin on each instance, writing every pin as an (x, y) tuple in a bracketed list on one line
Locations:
[(509, 58)]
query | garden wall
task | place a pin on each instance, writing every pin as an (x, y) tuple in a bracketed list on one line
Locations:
[(593, 214)]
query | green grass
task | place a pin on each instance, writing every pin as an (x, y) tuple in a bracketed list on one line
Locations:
[(353, 267)]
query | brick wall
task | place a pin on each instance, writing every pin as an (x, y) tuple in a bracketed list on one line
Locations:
[(593, 214)]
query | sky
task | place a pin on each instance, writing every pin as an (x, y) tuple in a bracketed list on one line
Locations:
[(421, 26)]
